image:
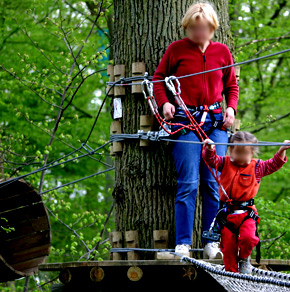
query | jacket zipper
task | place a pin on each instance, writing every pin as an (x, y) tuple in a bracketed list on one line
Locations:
[(232, 183), (204, 77)]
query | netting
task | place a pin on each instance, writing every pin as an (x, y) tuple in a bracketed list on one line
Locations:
[(260, 280)]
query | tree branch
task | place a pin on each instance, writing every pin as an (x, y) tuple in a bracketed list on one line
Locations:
[(270, 122)]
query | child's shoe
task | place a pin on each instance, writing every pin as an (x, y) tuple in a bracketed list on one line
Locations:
[(245, 266), (212, 251)]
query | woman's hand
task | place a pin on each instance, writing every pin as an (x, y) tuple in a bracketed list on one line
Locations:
[(209, 146), (282, 150), (168, 110), (229, 117)]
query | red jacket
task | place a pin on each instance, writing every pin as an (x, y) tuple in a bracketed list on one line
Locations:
[(239, 183), (184, 57)]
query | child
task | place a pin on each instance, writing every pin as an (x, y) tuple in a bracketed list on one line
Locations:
[(240, 176)]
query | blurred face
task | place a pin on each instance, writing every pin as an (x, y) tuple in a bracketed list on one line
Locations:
[(241, 155), (200, 31)]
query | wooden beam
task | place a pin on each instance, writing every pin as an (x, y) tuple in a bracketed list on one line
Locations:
[(138, 69), (116, 239), (116, 128), (160, 238), (119, 72), (132, 241), (146, 124), (110, 73)]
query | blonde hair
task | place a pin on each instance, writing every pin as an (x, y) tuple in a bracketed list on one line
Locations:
[(242, 136), (201, 11)]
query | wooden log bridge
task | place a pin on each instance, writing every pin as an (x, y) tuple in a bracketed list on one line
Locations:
[(127, 271), (134, 275)]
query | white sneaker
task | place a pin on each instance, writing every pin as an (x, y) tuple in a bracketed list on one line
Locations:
[(212, 251), (182, 249)]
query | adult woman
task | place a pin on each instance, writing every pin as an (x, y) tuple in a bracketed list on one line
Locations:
[(197, 53)]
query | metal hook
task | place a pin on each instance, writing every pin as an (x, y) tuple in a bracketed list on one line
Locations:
[(149, 87), (169, 83)]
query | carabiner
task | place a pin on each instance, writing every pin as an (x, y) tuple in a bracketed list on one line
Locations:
[(149, 87), (169, 83)]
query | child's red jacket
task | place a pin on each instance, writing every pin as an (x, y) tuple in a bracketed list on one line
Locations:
[(241, 183)]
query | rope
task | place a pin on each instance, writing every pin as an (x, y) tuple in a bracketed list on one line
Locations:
[(153, 136), (78, 180), (116, 249), (51, 165), (126, 81)]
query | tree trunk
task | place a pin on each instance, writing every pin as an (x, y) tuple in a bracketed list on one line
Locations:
[(145, 177)]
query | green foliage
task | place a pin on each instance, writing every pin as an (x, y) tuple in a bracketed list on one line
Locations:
[(6, 229), (53, 59), (274, 228)]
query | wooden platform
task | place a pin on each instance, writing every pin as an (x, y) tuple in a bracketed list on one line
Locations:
[(140, 274)]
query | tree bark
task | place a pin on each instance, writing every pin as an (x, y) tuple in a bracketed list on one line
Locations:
[(145, 177)]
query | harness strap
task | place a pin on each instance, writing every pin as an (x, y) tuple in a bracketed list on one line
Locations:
[(222, 221), (215, 125), (200, 108), (206, 109)]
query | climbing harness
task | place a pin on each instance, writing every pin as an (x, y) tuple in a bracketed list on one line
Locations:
[(220, 221)]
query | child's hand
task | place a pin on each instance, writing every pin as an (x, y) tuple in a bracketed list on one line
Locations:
[(282, 150), (285, 147), (210, 147)]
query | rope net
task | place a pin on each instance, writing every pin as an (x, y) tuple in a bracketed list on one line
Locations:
[(260, 280)]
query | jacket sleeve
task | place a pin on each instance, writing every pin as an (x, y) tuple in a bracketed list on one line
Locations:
[(269, 166), (165, 68), (212, 158), (230, 86)]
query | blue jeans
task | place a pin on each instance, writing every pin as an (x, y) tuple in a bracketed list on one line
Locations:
[(190, 169)]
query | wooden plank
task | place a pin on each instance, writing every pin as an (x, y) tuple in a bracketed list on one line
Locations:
[(19, 200), (23, 255), (59, 266), (26, 213), (25, 228), (119, 71), (160, 238), (25, 242), (14, 188), (138, 69), (110, 73), (29, 265), (283, 264), (116, 128), (116, 239), (132, 241), (146, 124)]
